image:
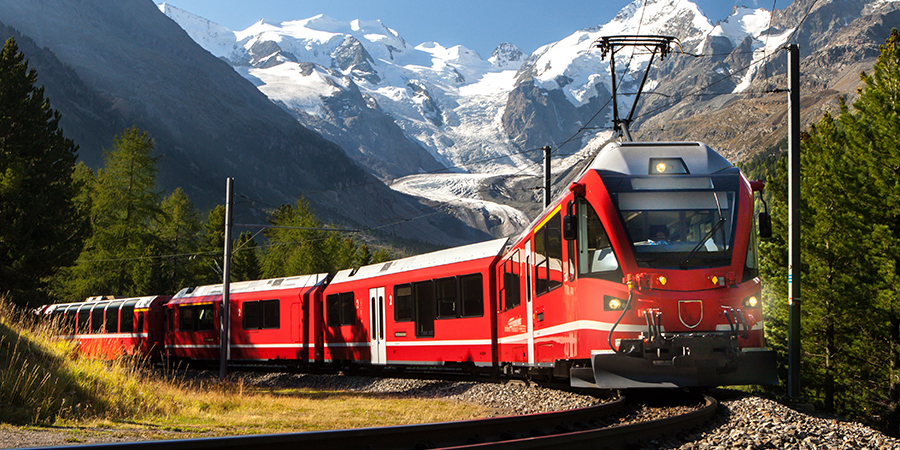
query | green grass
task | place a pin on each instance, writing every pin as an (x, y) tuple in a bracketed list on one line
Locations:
[(45, 383)]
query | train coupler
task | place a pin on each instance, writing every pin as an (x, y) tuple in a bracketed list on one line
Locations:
[(683, 360)]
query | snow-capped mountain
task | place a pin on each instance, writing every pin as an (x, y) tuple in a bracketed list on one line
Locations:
[(400, 109)]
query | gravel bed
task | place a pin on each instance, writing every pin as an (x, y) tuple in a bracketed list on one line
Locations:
[(752, 422), (504, 399), (742, 421)]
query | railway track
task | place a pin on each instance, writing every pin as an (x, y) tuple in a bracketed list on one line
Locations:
[(607, 425)]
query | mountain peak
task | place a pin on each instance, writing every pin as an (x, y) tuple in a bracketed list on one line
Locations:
[(507, 55)]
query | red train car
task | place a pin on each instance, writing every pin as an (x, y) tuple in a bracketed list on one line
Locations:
[(643, 274), (271, 321), (109, 328), (435, 309)]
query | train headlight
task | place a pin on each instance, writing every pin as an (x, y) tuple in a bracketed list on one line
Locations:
[(751, 301), (662, 280), (667, 166), (612, 303)]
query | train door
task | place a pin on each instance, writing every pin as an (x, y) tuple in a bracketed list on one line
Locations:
[(377, 344), (529, 297)]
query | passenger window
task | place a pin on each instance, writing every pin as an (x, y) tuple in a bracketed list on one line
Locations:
[(403, 304), (261, 315), (340, 309), (446, 297), (511, 289), (424, 298), (97, 318), (548, 255), (126, 324), (112, 318), (472, 289), (596, 257)]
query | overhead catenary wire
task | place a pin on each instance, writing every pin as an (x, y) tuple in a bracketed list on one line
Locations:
[(556, 148)]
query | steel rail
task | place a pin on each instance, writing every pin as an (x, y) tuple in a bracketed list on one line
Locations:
[(577, 428)]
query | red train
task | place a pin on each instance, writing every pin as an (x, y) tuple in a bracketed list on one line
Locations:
[(644, 273), (108, 328)]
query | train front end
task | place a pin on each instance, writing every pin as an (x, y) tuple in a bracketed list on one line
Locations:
[(678, 226)]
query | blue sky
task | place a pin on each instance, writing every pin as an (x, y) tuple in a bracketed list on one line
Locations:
[(479, 25)]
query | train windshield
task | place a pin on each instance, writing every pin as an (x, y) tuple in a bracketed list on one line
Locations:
[(680, 223)]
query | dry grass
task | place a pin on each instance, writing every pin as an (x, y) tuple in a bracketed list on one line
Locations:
[(45, 383)]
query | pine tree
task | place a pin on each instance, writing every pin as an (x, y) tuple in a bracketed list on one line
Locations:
[(41, 228), (292, 252), (179, 233), (123, 255), (244, 261), (872, 130)]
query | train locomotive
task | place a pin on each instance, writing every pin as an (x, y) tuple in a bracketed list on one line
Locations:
[(642, 274)]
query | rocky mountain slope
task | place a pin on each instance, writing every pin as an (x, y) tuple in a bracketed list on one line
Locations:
[(488, 118), (110, 65)]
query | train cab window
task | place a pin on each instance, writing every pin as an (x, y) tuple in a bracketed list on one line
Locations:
[(97, 318), (403, 303), (126, 324), (170, 319), (340, 309), (596, 257), (445, 293), (423, 293), (261, 315), (511, 288), (548, 255), (112, 317), (140, 322), (471, 289), (680, 223)]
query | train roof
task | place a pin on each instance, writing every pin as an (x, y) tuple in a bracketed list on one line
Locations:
[(633, 158), (139, 302), (272, 284), (439, 258)]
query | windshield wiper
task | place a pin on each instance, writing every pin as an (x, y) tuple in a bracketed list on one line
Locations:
[(709, 234), (700, 244)]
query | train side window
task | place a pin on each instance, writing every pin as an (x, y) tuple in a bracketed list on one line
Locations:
[(403, 303), (340, 309), (126, 323), (447, 299), (204, 317), (97, 318), (186, 318), (261, 315), (348, 309), (472, 293), (548, 256), (425, 310), (511, 281), (112, 317), (596, 257)]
